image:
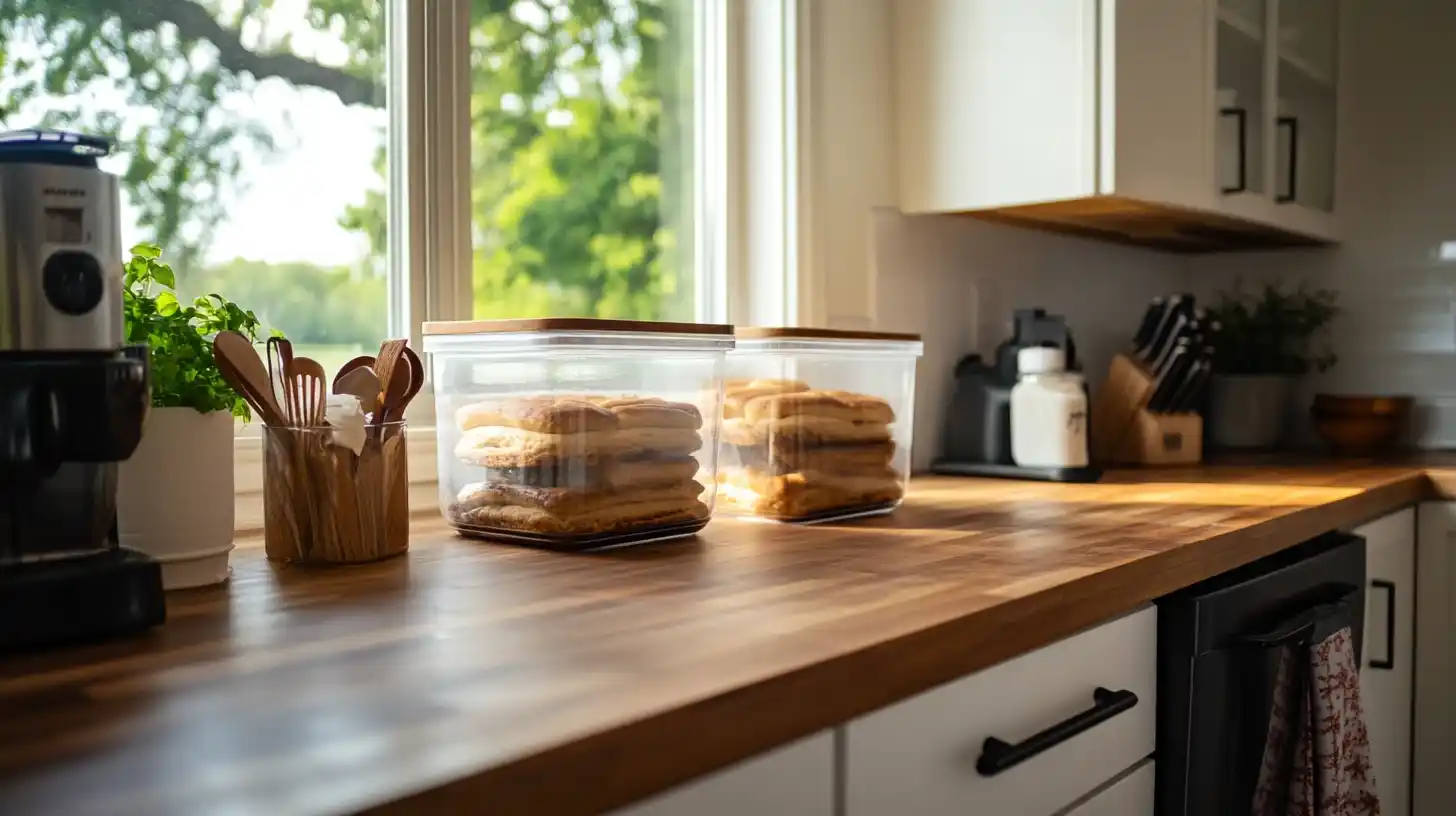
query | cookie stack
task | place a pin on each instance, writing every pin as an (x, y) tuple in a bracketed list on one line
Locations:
[(792, 452), (572, 466)]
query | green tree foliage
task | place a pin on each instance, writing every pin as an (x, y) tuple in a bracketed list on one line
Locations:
[(580, 119), (311, 305)]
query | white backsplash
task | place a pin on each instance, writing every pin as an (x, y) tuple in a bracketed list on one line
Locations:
[(957, 281)]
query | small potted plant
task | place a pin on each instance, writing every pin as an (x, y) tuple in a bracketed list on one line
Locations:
[(1266, 340), (175, 497)]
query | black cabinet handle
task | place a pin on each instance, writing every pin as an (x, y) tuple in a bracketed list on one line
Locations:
[(1242, 118), (1292, 124), (1389, 661), (1310, 624), (998, 755)]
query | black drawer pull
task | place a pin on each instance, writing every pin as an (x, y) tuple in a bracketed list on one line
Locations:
[(998, 755), (1389, 662)]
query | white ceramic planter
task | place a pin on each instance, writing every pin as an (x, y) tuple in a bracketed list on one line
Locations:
[(175, 500), (1248, 411)]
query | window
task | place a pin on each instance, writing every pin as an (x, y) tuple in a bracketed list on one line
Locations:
[(581, 159), (250, 143), (322, 163)]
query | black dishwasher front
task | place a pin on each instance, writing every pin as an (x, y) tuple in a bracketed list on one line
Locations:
[(1216, 662)]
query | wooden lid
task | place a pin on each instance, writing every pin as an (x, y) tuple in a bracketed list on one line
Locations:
[(575, 324), (797, 332)]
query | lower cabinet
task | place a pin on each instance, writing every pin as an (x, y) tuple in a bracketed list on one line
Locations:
[(1387, 667), (1070, 728), (1131, 795), (1028, 737), (795, 780), (1433, 791)]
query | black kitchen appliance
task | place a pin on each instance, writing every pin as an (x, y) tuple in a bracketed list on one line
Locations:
[(1218, 647), (72, 400), (976, 438)]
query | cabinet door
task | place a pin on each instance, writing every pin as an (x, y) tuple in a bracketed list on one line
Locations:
[(1433, 791), (1131, 795), (1029, 736), (1387, 665), (796, 780), (1243, 112), (1304, 145)]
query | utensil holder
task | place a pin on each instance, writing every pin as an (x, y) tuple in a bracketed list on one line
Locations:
[(324, 504), (1124, 432)]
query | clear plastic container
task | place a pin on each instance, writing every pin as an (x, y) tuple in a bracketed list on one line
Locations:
[(576, 433), (817, 423)]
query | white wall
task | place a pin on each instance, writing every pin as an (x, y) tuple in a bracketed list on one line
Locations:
[(1396, 195), (957, 281)]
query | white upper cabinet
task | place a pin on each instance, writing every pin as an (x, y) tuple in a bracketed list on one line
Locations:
[(1197, 125)]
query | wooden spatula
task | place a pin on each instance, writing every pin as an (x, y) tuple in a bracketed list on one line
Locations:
[(243, 369)]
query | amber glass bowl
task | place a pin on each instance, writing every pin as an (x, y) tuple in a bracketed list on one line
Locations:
[(1360, 424)]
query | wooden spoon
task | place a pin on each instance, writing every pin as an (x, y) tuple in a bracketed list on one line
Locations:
[(243, 369), (307, 380), (360, 383), (417, 378), (390, 352), (391, 401), (362, 361)]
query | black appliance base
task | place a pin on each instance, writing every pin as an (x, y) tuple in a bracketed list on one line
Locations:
[(115, 592), (1041, 474)]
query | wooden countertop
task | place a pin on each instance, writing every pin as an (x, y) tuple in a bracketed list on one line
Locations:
[(467, 673)]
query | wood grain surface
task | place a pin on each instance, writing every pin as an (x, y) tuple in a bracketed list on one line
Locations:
[(495, 679)]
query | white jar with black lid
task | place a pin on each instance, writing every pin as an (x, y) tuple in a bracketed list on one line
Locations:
[(1048, 411)]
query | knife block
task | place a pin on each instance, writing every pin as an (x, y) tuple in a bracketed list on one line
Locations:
[(1125, 433)]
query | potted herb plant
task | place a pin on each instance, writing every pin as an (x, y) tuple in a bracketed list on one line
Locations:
[(1265, 341), (175, 498)]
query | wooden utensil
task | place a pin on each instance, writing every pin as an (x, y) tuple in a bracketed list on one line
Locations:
[(417, 378), (307, 381), (360, 383), (362, 361), (392, 400), (280, 356), (243, 369), (386, 364)]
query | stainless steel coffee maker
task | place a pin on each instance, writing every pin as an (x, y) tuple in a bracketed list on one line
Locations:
[(73, 399)]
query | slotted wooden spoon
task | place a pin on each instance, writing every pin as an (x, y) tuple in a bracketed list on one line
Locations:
[(307, 380)]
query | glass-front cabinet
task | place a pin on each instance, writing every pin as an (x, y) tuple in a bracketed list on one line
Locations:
[(1308, 75), (1243, 118), (1277, 74)]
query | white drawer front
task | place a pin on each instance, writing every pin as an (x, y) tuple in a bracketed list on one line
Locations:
[(919, 757), (795, 780), (1132, 795)]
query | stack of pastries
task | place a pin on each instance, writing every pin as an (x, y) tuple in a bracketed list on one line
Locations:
[(572, 466), (792, 452)]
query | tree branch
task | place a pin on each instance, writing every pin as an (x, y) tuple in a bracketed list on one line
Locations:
[(195, 22)]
